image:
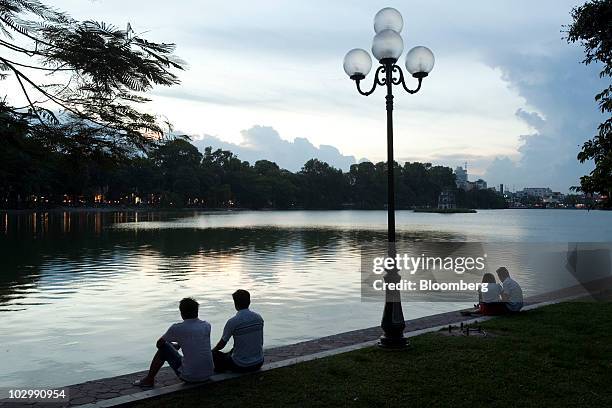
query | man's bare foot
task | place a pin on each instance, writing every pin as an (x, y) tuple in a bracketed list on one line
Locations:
[(144, 383)]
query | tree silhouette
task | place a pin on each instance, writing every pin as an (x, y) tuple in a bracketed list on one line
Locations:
[(592, 28), (80, 79), (175, 174)]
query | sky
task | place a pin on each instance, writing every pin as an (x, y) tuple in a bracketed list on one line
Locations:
[(507, 95)]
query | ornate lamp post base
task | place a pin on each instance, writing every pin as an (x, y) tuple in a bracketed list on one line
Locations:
[(392, 322), (393, 337), (393, 343)]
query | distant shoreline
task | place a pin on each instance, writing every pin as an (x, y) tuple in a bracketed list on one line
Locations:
[(220, 210), (115, 209)]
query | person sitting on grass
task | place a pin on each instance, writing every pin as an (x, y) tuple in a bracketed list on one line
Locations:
[(192, 336), (246, 327), (489, 301), (511, 294)]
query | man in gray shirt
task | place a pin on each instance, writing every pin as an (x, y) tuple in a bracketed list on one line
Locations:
[(246, 327), (511, 294), (192, 336)]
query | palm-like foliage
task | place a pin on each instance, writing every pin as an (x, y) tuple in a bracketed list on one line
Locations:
[(96, 74)]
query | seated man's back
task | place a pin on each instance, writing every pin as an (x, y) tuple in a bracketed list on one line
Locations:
[(512, 293), (247, 329), (193, 337)]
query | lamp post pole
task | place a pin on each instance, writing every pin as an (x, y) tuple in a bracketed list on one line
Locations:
[(387, 47), (392, 323), (390, 160)]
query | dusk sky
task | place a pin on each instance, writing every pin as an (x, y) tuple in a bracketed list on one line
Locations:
[(265, 79)]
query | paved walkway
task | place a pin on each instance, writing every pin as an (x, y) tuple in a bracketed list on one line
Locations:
[(113, 387)]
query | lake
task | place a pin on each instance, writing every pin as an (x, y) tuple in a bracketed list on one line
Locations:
[(85, 295)]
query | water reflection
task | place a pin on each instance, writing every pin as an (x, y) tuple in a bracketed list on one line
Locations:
[(69, 281), (73, 246)]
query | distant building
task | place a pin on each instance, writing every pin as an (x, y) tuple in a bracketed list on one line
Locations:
[(539, 192), (501, 189), (480, 184), (554, 198), (446, 200), (461, 177)]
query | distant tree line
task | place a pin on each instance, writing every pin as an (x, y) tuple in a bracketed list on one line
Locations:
[(174, 173)]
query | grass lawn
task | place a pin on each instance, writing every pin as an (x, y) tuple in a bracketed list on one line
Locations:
[(559, 355)]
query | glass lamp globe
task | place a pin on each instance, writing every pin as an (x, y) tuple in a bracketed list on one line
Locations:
[(420, 61), (388, 19), (387, 45), (357, 63)]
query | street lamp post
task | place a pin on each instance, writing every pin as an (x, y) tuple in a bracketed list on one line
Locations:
[(387, 47)]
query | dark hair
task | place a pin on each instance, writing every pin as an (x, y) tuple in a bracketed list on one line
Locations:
[(242, 299), (488, 278), (189, 308), (502, 273)]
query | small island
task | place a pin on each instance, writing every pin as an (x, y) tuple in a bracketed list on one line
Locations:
[(445, 210)]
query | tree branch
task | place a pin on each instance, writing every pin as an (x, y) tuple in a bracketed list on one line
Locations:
[(39, 68), (25, 92), (55, 99), (26, 34)]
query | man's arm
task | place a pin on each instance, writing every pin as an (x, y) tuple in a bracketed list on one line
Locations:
[(161, 342), (170, 337), (220, 345), (505, 295), (228, 330)]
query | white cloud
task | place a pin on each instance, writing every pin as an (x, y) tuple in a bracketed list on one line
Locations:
[(564, 117), (263, 142)]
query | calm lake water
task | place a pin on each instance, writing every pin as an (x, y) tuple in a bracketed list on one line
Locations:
[(85, 295)]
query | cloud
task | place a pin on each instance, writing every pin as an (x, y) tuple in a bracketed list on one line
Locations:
[(532, 119), (263, 142), (214, 98), (560, 110)]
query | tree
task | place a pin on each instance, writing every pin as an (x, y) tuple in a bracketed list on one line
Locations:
[(592, 28), (179, 163), (367, 190), (321, 185), (94, 74), (273, 187), (486, 198), (26, 167)]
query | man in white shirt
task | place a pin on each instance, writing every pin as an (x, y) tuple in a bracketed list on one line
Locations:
[(192, 336), (246, 327), (512, 294)]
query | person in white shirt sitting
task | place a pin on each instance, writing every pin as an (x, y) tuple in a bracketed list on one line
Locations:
[(192, 336), (246, 327), (512, 294)]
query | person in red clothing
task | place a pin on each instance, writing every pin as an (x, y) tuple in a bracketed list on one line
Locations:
[(489, 300)]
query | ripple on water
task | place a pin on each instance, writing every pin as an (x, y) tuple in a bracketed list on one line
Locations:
[(87, 304)]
